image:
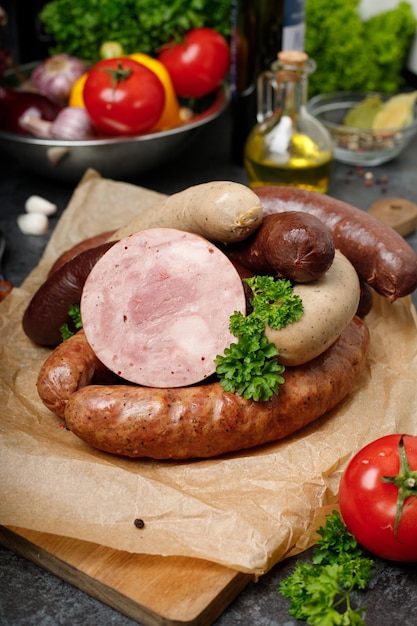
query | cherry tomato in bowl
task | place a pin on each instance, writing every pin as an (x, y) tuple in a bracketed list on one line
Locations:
[(197, 65), (378, 497), (123, 97)]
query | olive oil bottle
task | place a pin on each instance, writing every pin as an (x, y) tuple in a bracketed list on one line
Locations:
[(288, 147), (259, 29)]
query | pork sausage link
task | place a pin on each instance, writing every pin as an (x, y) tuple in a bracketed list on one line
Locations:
[(204, 421), (47, 311), (293, 245), (69, 367), (382, 258)]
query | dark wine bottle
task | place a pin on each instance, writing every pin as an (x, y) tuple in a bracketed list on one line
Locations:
[(260, 29)]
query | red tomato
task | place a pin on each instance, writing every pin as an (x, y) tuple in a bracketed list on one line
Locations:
[(123, 97), (199, 64), (371, 507)]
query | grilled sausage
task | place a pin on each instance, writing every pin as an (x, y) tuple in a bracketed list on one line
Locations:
[(197, 421), (69, 367), (382, 258)]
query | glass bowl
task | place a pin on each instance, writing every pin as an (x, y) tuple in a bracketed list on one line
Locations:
[(355, 146)]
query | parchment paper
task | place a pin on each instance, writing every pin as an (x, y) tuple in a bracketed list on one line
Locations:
[(246, 511)]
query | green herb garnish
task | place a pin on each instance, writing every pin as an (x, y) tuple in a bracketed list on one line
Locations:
[(75, 315), (249, 367), (80, 28), (320, 592)]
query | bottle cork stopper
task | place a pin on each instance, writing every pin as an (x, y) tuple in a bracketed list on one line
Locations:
[(291, 63), (295, 58)]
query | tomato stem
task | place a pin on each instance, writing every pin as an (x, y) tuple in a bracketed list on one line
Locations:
[(405, 481), (117, 75)]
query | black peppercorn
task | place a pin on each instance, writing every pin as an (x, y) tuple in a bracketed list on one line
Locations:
[(139, 523)]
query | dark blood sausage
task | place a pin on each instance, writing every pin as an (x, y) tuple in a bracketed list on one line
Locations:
[(48, 309), (85, 244), (204, 421), (244, 272), (366, 299), (293, 245), (69, 367), (382, 258)]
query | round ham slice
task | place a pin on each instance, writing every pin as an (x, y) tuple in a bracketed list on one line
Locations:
[(156, 307)]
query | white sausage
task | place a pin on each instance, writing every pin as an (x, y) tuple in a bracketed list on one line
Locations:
[(330, 303), (221, 211)]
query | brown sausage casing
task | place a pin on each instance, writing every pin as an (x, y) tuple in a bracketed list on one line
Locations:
[(75, 250), (292, 245), (69, 367), (382, 258), (48, 309), (204, 421)]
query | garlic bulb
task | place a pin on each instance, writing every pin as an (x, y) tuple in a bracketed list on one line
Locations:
[(55, 76), (72, 123)]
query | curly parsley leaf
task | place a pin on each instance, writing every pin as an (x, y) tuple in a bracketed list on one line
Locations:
[(75, 315), (335, 541), (320, 591), (274, 301), (79, 28), (250, 367)]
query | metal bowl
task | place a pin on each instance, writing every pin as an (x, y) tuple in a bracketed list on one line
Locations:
[(116, 157), (355, 146)]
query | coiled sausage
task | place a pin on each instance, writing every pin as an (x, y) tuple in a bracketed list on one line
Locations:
[(69, 367), (197, 421)]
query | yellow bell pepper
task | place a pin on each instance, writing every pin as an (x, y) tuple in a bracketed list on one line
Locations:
[(171, 113), (76, 94)]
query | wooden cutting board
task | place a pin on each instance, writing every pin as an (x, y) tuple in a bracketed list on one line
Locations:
[(152, 590)]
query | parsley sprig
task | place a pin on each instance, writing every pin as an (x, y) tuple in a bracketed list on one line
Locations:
[(320, 592), (79, 28), (250, 367), (75, 315)]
